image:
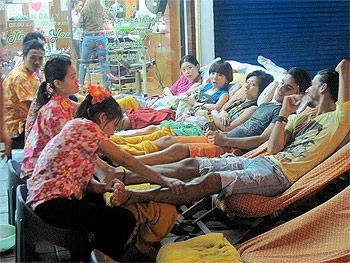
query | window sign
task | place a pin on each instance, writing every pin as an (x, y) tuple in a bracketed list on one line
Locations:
[(136, 30)]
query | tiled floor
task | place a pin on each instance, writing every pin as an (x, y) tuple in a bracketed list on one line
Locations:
[(8, 256)]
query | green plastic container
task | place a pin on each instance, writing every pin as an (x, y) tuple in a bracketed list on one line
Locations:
[(7, 237)]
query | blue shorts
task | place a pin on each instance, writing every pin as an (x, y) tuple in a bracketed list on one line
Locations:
[(240, 175)]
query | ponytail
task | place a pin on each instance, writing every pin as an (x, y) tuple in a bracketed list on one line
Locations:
[(91, 111), (44, 95), (55, 68)]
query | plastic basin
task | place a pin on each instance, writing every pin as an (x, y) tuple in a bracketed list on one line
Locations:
[(7, 237)]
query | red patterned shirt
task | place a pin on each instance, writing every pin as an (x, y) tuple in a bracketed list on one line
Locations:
[(50, 120), (66, 164)]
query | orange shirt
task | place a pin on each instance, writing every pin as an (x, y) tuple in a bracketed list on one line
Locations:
[(19, 86)]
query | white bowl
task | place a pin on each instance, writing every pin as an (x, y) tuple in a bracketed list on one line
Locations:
[(7, 237)]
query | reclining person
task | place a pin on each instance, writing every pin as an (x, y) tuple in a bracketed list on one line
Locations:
[(297, 144), (232, 116), (256, 82), (212, 95), (249, 135)]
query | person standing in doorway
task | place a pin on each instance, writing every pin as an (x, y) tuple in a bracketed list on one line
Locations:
[(77, 32), (91, 21)]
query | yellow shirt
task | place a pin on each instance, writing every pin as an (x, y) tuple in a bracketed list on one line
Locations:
[(18, 86), (312, 140)]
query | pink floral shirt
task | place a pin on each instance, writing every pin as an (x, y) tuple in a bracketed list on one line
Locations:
[(50, 120), (66, 164), (182, 85)]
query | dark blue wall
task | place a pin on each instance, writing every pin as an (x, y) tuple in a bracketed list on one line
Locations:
[(309, 34)]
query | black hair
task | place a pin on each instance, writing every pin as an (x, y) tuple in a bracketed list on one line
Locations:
[(33, 35), (331, 78), (74, 2), (190, 59), (55, 68), (32, 44), (222, 67), (264, 79), (301, 77), (91, 111)]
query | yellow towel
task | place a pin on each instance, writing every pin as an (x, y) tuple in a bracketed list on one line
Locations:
[(209, 248), (128, 103), (137, 139), (140, 145)]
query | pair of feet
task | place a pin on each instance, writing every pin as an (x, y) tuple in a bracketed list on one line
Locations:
[(121, 196)]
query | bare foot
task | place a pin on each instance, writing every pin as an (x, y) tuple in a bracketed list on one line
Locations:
[(121, 197)]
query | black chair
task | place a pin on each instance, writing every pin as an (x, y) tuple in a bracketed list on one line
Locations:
[(31, 230), (14, 180), (98, 256)]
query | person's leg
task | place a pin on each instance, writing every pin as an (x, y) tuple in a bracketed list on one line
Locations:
[(137, 132), (77, 48), (101, 48), (256, 176), (195, 189), (86, 51), (111, 226), (174, 153), (234, 175), (164, 142), (184, 170)]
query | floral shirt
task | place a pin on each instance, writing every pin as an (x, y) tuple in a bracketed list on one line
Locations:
[(19, 86), (50, 120), (66, 164), (38, 74), (77, 31)]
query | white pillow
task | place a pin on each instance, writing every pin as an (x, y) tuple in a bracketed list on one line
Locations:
[(266, 93), (252, 68)]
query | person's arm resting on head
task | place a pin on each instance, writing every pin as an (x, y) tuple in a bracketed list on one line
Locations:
[(279, 135), (343, 68)]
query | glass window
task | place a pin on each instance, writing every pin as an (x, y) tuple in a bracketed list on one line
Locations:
[(137, 33)]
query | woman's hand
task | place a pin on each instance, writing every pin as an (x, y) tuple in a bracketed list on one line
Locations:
[(225, 118), (176, 186)]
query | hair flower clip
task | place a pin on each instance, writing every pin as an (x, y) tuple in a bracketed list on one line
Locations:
[(98, 94), (48, 88)]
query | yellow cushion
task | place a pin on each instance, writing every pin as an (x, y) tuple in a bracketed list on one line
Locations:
[(209, 248)]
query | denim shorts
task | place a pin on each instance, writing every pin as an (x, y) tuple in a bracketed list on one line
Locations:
[(240, 175)]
